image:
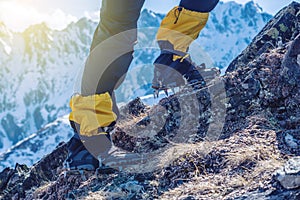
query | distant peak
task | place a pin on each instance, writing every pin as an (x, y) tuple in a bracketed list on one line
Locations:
[(253, 6), (41, 27), (147, 11), (83, 22)]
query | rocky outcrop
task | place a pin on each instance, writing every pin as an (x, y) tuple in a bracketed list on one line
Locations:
[(229, 140), (283, 28), (15, 183)]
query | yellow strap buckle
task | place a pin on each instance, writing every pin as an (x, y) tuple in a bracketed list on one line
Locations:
[(184, 57)]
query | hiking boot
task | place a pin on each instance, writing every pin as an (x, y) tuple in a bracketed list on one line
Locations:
[(194, 77), (166, 74), (83, 151), (169, 74), (79, 158), (98, 153), (120, 159)]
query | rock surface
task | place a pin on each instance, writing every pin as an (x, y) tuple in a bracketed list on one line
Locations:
[(289, 175)]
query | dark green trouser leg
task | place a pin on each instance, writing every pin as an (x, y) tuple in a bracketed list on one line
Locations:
[(109, 59), (112, 46)]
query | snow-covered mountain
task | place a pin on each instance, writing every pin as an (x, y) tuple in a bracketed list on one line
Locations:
[(230, 29), (37, 145), (38, 68)]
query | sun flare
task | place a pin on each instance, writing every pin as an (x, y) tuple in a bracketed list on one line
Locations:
[(18, 15)]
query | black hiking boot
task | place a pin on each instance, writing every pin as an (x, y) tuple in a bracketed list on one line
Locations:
[(194, 77), (166, 74), (169, 74), (98, 153), (122, 160), (79, 158)]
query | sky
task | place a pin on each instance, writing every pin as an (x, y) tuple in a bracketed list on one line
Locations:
[(19, 14)]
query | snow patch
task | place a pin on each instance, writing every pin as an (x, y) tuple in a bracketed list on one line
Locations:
[(7, 48)]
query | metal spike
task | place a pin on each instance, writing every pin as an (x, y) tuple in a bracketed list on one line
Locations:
[(156, 93), (166, 92)]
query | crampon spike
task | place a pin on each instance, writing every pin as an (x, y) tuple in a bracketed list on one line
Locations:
[(166, 92), (156, 93)]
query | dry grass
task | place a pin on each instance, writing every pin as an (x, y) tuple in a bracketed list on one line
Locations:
[(250, 162)]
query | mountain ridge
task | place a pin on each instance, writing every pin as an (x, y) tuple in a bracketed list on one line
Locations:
[(40, 66)]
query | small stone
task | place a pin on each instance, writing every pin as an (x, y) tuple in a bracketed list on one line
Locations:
[(187, 198), (289, 174), (290, 141), (132, 186)]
